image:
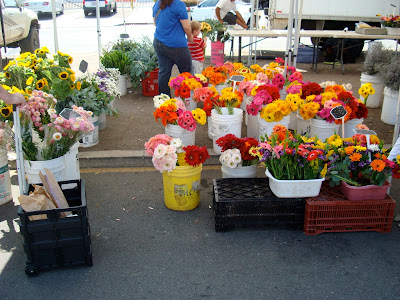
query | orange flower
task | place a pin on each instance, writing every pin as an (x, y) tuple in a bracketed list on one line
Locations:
[(378, 165), (380, 156), (349, 150), (355, 156)]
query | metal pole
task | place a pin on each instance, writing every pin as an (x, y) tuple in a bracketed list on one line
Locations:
[(54, 15), (98, 30), (396, 130), (289, 37), (297, 32)]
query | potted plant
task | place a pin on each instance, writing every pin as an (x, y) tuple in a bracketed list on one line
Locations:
[(390, 73), (294, 164), (391, 23), (144, 64), (361, 170), (218, 36), (117, 59), (236, 160), (181, 167), (376, 57)]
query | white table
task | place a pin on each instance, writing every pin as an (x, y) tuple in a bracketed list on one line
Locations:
[(337, 34)]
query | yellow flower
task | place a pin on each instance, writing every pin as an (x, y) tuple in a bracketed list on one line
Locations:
[(200, 116), (6, 111), (360, 148), (7, 74), (72, 77), (70, 60), (398, 159), (324, 170), (78, 85), (40, 84), (72, 86), (29, 80)]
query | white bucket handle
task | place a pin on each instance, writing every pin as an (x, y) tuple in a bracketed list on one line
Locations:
[(217, 129)]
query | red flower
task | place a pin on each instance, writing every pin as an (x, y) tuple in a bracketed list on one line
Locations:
[(229, 141), (302, 151), (362, 111), (396, 171), (195, 155), (247, 143), (313, 154), (311, 88)]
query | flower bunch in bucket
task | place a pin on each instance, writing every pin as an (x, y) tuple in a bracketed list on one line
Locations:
[(167, 153), (356, 163), (275, 111), (290, 156), (216, 75), (173, 111), (185, 83), (321, 99), (230, 99), (206, 96), (47, 134), (236, 151), (263, 95), (391, 21)]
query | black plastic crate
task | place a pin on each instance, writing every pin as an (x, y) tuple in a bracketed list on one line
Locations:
[(249, 203), (58, 241)]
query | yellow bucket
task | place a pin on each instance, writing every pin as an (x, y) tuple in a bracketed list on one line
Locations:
[(182, 188)]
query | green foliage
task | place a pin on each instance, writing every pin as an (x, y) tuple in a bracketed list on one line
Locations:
[(125, 45), (376, 57), (117, 59), (390, 73), (143, 59), (218, 31)]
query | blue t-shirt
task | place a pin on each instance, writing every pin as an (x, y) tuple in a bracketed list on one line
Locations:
[(169, 30)]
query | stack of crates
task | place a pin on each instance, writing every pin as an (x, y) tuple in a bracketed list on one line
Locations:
[(249, 203), (58, 241), (150, 84)]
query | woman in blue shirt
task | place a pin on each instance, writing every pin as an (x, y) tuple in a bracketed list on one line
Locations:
[(172, 23)]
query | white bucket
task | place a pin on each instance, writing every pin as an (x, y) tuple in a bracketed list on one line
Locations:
[(92, 138), (322, 129), (246, 100), (239, 172), (72, 169), (375, 100), (225, 124), (265, 128), (56, 166), (253, 129), (187, 137), (293, 120), (349, 127), (102, 122), (5, 180), (302, 126), (209, 124), (128, 82), (122, 85), (189, 102), (283, 93), (389, 107)]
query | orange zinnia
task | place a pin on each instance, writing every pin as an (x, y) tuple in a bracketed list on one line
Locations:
[(378, 165), (355, 156), (349, 150)]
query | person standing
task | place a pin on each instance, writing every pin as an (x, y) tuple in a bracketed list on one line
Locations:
[(170, 43), (197, 48), (223, 11)]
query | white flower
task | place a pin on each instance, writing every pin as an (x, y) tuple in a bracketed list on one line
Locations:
[(232, 164), (348, 86), (235, 151), (373, 147), (51, 111), (90, 113), (169, 165), (160, 151), (59, 120), (177, 143), (57, 136), (236, 158), (323, 84)]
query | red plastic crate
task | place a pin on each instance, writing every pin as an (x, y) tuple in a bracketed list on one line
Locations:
[(150, 84), (330, 211)]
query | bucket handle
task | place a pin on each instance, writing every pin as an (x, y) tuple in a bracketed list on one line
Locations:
[(217, 128)]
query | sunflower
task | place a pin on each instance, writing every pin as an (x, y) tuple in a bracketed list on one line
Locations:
[(40, 84), (7, 74), (78, 85), (63, 75), (70, 60), (6, 111), (29, 80), (72, 86)]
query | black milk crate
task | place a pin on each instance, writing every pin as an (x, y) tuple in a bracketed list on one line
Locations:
[(58, 241), (249, 203)]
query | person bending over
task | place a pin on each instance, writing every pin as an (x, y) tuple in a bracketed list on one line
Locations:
[(223, 11)]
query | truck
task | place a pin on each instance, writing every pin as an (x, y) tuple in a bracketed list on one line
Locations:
[(20, 27), (330, 14)]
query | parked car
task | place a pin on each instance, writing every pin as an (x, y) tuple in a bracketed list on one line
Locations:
[(206, 10), (107, 6), (44, 6), (21, 27)]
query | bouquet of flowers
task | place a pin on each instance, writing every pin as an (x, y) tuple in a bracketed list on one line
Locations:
[(173, 111), (229, 99), (291, 157), (217, 32), (40, 71), (320, 99), (167, 153), (356, 164), (275, 111), (186, 82), (216, 75), (47, 135), (205, 28), (391, 21), (207, 96), (263, 94), (236, 151)]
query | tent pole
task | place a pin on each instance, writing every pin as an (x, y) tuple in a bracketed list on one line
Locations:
[(98, 30), (54, 15), (289, 37), (297, 32)]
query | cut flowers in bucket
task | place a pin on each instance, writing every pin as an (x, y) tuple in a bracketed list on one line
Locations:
[(236, 151), (167, 153)]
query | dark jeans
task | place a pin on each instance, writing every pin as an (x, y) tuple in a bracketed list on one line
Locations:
[(167, 58)]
